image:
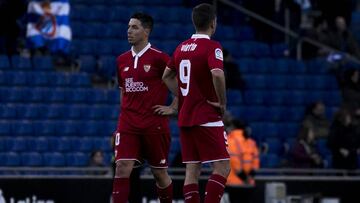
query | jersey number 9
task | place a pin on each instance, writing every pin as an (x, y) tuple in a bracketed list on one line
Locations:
[(185, 68)]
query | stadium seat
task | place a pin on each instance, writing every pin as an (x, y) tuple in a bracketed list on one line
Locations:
[(262, 65), (234, 97), (245, 33), (105, 47), (270, 161), (57, 95), (76, 95), (298, 67), (246, 65), (81, 144), (20, 63), (4, 62), (295, 114), (275, 114), (296, 82), (53, 159), (295, 98), (73, 112), (27, 111), (90, 128), (16, 144), (37, 144), (273, 145), (97, 96), (102, 143), (54, 111), (44, 128), (282, 66), (110, 112), (93, 113), (107, 66), (321, 147), (43, 63), (79, 80), (38, 79), (113, 96), (31, 159), (276, 82), (279, 50), (22, 128), (59, 144), (290, 130), (87, 63), (274, 97), (254, 97), (7, 111), (16, 78), (255, 81), (67, 128), (59, 79), (11, 159), (5, 128), (253, 113), (77, 159)]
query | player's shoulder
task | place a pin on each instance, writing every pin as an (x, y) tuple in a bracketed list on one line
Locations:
[(214, 43)]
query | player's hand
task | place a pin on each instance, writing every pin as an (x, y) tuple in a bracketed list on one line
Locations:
[(164, 110), (219, 106)]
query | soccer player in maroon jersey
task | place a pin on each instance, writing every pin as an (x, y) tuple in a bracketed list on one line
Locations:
[(195, 74), (142, 132)]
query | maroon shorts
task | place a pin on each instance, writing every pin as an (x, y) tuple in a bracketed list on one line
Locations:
[(139, 147), (203, 144)]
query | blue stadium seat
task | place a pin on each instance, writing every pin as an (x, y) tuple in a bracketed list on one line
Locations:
[(16, 144), (43, 63), (273, 145), (282, 66), (77, 159), (86, 46), (57, 95), (97, 96), (90, 128), (255, 81), (38, 79), (21, 63), (73, 112), (54, 111), (313, 96), (11, 159), (93, 113), (87, 63), (79, 12), (271, 129), (253, 113), (298, 67), (332, 98), (262, 65), (106, 128), (296, 82), (53, 159), (245, 33), (79, 80), (5, 128), (76, 95), (15, 95), (234, 97), (67, 128), (279, 50), (316, 82), (290, 130), (2, 145), (270, 161), (261, 49), (119, 46), (275, 97), (31, 159), (120, 14), (289, 144), (174, 128), (44, 128), (321, 147), (27, 111), (318, 66), (22, 128), (59, 79), (295, 98), (81, 144), (102, 143), (105, 47), (7, 111), (295, 114), (110, 112), (113, 96), (275, 114), (59, 144), (107, 66), (246, 65), (246, 49), (16, 78), (254, 97), (276, 82), (4, 62)]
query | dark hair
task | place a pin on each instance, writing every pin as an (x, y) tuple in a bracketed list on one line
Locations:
[(145, 19), (202, 16)]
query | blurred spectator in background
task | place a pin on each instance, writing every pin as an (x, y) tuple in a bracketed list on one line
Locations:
[(234, 79), (344, 140), (349, 84), (319, 33), (316, 121), (10, 12), (340, 37), (304, 154), (333, 8), (244, 161), (97, 158)]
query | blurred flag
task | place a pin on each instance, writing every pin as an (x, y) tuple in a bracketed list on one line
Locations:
[(48, 25)]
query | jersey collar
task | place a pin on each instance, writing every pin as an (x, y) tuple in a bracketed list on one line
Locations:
[(141, 52), (199, 36)]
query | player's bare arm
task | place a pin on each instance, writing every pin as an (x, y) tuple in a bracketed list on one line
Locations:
[(219, 85), (169, 78), (167, 110)]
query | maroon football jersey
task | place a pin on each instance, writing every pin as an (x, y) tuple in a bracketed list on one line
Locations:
[(140, 78), (193, 61)]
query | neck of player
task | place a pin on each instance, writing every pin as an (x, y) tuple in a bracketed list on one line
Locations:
[(140, 46), (208, 33)]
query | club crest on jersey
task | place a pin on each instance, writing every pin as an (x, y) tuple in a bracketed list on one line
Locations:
[(218, 54), (147, 68), (126, 69)]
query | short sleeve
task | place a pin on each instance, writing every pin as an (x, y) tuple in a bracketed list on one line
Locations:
[(164, 61), (171, 63), (215, 57)]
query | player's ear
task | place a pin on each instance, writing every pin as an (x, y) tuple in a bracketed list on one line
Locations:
[(147, 31)]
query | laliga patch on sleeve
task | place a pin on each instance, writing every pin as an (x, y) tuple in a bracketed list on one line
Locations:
[(218, 54)]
